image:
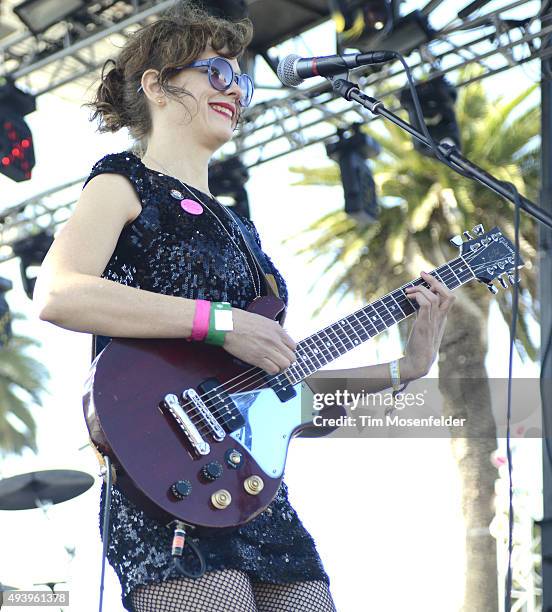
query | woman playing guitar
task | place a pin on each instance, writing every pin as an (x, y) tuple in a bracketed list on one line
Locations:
[(149, 253)]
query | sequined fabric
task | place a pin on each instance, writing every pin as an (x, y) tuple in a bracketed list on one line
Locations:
[(168, 250)]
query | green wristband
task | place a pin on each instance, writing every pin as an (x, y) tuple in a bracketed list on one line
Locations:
[(219, 325)]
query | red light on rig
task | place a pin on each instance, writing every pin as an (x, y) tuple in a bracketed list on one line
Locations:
[(16, 146)]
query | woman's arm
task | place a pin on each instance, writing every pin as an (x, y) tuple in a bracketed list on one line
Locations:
[(421, 350), (69, 291)]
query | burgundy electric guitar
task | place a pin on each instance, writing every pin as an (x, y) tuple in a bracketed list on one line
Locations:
[(198, 435)]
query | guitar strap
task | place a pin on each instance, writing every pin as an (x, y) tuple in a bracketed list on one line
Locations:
[(270, 285)]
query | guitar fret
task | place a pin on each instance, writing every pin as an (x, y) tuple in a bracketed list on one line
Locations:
[(455, 276), (329, 344), (391, 308), (362, 327), (387, 314), (306, 360), (335, 340), (375, 318), (346, 321), (322, 348), (464, 269), (364, 321), (404, 301), (318, 350), (314, 352), (331, 333)]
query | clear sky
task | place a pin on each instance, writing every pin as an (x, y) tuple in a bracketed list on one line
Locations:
[(381, 529)]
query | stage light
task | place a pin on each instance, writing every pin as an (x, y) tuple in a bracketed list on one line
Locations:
[(31, 252), (360, 18), (408, 33), (227, 178), (437, 99), (351, 151), (39, 15), (234, 10), (16, 142)]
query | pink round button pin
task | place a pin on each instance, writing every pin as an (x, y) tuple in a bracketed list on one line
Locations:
[(192, 207)]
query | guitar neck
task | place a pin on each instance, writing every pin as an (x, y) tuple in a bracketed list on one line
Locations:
[(322, 347)]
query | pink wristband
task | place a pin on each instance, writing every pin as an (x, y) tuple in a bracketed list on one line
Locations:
[(200, 326)]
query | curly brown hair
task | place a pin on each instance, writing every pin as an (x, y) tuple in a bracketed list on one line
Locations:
[(177, 38)]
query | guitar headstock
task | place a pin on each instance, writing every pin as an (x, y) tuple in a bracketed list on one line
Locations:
[(489, 255)]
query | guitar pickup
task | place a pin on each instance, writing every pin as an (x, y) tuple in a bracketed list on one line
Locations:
[(283, 388), (214, 394)]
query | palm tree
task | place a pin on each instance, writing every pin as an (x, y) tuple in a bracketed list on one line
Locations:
[(19, 373), (424, 203)]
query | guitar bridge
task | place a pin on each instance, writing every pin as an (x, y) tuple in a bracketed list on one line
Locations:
[(198, 443)]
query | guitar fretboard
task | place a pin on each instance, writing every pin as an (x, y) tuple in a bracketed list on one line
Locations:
[(333, 341)]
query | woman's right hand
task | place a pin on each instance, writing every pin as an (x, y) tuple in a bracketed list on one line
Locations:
[(260, 342)]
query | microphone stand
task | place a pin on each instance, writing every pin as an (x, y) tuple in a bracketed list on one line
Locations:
[(350, 91)]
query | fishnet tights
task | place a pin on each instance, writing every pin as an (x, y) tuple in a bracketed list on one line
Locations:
[(232, 591)]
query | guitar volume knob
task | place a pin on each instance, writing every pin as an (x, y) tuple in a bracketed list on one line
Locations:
[(211, 471), (221, 499), (253, 485), (234, 459), (181, 489)]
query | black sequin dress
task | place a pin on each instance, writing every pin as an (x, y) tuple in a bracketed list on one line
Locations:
[(170, 251)]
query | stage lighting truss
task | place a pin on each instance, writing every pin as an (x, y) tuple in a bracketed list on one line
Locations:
[(292, 119), (351, 149)]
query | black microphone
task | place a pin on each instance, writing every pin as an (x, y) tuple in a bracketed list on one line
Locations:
[(293, 69)]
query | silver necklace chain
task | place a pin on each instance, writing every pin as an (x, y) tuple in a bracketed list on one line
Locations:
[(256, 285)]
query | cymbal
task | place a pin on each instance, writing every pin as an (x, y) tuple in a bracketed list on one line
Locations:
[(21, 492), (5, 587)]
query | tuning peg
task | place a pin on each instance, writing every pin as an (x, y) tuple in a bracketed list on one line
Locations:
[(457, 241), (512, 278), (467, 235), (492, 288), (503, 282), (478, 230)]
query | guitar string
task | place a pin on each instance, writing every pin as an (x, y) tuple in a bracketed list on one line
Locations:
[(379, 308), (442, 272), (439, 272), (385, 317), (453, 275), (383, 314), (216, 399)]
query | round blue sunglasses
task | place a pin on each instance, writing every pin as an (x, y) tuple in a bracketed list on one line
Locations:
[(221, 76)]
